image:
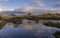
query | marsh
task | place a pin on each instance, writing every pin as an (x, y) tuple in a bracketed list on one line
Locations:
[(28, 30)]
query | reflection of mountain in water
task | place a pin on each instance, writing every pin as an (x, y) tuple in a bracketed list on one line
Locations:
[(27, 30)]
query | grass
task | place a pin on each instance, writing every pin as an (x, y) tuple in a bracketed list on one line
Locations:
[(51, 24), (19, 19), (2, 23), (57, 34)]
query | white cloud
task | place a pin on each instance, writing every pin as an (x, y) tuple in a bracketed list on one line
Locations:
[(2, 2), (9, 9), (30, 6), (27, 8), (1, 9), (4, 9), (38, 3), (39, 10)]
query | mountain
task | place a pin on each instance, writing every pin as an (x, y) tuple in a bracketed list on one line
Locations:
[(11, 13), (19, 12)]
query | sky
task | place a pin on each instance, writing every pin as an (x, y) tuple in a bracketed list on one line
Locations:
[(27, 5)]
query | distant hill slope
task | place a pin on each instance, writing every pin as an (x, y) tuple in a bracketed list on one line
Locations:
[(11, 13)]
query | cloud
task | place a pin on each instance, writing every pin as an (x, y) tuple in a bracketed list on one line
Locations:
[(53, 0), (4, 9), (9, 9), (39, 10), (38, 3), (27, 8), (56, 5), (1, 8), (30, 7), (2, 2), (41, 2), (49, 0)]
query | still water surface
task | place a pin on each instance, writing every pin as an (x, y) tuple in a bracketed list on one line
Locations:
[(27, 30)]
